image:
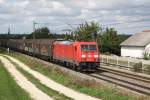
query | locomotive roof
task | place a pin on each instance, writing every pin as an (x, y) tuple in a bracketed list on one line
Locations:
[(66, 42), (63, 42), (86, 43)]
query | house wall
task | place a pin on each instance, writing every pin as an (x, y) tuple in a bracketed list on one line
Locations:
[(147, 49), (137, 52)]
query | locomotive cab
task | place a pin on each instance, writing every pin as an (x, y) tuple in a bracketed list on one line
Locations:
[(89, 53), (88, 56)]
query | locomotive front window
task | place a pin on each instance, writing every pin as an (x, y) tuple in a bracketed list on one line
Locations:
[(84, 47), (88, 47), (92, 47)]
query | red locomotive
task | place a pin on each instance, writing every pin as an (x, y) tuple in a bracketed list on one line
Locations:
[(78, 55), (83, 56)]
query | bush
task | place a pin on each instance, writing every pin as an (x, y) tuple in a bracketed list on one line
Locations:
[(2, 50), (107, 53), (146, 56), (148, 69), (137, 67)]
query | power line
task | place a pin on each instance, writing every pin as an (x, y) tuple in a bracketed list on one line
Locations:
[(119, 23), (134, 27), (75, 24), (104, 25), (136, 21)]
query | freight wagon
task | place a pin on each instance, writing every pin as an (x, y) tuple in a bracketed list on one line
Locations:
[(3, 42), (39, 47)]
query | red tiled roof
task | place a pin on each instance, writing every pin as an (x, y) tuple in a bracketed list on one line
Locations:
[(146, 31)]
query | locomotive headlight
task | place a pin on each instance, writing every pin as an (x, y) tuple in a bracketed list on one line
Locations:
[(83, 56), (95, 56)]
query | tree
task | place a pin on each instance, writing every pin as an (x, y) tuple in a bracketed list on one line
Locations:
[(110, 41), (85, 31), (41, 33)]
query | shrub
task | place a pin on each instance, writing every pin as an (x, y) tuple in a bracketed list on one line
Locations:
[(148, 69), (3, 50), (107, 53), (137, 67), (146, 56)]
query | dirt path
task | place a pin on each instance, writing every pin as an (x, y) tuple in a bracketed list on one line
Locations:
[(34, 92), (53, 85)]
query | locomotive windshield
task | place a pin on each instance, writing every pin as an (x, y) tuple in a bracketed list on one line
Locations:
[(88, 47)]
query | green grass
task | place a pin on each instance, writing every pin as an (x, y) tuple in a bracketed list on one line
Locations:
[(52, 93), (3, 50), (92, 89), (9, 90)]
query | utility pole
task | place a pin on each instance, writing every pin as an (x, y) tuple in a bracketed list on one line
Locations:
[(33, 34), (8, 39), (34, 29), (71, 33), (8, 30)]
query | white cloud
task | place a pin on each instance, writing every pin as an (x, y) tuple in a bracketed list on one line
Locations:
[(22, 12), (2, 1)]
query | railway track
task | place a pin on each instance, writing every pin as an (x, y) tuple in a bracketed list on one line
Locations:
[(127, 80)]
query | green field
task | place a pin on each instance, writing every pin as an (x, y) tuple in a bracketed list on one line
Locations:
[(9, 90)]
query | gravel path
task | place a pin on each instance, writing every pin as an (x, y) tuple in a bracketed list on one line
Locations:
[(53, 85), (33, 91)]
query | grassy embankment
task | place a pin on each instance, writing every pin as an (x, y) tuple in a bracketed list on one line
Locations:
[(85, 86), (9, 90)]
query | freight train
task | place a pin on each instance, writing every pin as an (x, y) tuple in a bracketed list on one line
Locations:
[(81, 56)]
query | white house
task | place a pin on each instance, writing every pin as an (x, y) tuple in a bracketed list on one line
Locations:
[(136, 45)]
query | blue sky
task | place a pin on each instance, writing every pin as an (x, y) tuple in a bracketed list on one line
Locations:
[(126, 16)]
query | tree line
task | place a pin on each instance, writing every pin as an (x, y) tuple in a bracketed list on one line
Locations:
[(108, 39)]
